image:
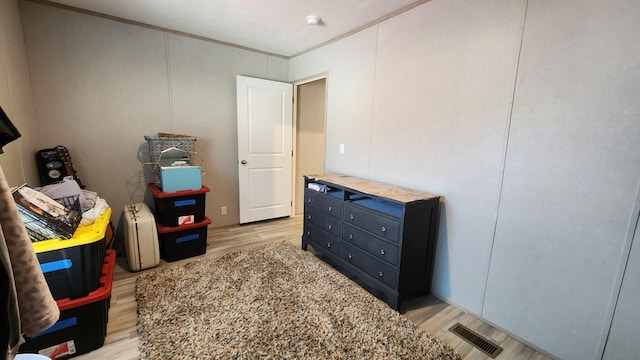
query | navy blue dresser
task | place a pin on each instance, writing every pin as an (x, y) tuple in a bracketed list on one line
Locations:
[(381, 236)]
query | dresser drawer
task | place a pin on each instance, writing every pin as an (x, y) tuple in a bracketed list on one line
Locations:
[(328, 223), (326, 203), (376, 247), (319, 238), (378, 270), (380, 225)]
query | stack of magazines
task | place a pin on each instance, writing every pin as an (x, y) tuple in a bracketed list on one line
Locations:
[(46, 218)]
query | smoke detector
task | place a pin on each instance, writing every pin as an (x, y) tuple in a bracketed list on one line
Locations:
[(313, 20)]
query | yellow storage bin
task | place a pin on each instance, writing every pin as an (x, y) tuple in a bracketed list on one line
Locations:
[(73, 267)]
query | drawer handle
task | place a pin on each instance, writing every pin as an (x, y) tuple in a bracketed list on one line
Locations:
[(351, 216), (309, 217), (308, 232), (329, 227), (350, 256), (309, 201), (328, 245), (330, 208), (350, 236), (384, 229), (380, 273), (382, 252)]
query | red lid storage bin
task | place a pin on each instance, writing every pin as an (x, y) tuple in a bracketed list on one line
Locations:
[(183, 241), (180, 207), (82, 326)]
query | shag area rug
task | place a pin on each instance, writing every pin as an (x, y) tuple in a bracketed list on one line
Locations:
[(270, 302)]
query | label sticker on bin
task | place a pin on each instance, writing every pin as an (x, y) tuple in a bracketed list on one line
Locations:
[(187, 238), (62, 324), (56, 265), (59, 351), (188, 202), (186, 219)]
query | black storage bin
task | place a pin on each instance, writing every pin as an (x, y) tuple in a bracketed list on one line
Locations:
[(82, 325), (180, 207), (72, 268), (183, 241)]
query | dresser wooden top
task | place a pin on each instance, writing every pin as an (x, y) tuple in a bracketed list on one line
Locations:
[(375, 188)]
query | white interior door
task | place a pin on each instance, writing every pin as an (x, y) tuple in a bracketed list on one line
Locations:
[(265, 137)]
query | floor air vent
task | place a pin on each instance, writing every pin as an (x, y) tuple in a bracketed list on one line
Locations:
[(475, 339)]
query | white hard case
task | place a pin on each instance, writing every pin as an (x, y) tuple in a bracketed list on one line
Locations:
[(140, 237)]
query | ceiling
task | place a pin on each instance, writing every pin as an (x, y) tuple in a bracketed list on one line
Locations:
[(275, 27)]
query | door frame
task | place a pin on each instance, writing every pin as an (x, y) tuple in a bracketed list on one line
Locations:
[(296, 84)]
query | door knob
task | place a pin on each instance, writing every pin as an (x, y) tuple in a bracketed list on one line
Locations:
[(243, 162)]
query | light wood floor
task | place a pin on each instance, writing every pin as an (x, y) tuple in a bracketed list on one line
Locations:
[(429, 313)]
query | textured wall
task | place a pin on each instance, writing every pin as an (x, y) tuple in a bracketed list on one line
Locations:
[(18, 161), (101, 85), (571, 175), (523, 115)]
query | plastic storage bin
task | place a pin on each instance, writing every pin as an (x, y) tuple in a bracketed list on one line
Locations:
[(72, 267), (180, 207), (179, 178), (183, 241), (82, 326)]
